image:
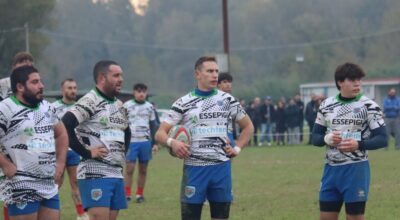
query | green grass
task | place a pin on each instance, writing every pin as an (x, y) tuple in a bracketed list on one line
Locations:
[(268, 182)]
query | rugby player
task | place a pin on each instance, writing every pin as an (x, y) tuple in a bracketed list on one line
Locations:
[(35, 146), (348, 124), (142, 122), (225, 84), (205, 112), (69, 90), (101, 138)]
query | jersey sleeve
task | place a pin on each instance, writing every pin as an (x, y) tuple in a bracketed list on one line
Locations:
[(236, 110), (3, 121), (175, 114), (152, 113), (321, 115), (54, 114), (375, 116), (84, 108)]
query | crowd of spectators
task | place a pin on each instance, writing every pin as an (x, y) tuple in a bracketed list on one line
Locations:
[(282, 121)]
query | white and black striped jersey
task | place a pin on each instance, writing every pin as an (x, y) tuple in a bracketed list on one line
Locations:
[(354, 119), (62, 108), (101, 122), (27, 136), (140, 115), (5, 88), (206, 118)]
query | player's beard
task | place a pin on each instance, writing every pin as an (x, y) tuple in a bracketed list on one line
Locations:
[(31, 98), (71, 96), (111, 89)]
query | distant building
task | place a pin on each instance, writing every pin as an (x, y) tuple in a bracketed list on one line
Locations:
[(375, 89)]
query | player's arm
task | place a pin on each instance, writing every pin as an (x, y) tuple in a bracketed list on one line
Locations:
[(247, 128), (8, 167), (61, 137), (127, 138), (153, 130), (71, 122), (377, 139), (178, 147)]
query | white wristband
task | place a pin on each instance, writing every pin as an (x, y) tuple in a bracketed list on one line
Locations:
[(169, 142), (237, 149), (328, 139)]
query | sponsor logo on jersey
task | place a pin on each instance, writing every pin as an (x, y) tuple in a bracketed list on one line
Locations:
[(209, 131), (43, 129), (193, 119), (347, 121), (356, 110), (21, 205), (190, 191), (28, 131), (220, 103), (213, 115), (119, 121), (104, 121), (96, 194), (208, 145)]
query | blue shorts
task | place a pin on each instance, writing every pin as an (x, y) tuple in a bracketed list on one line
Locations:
[(348, 183), (213, 182), (32, 207), (73, 158), (103, 192), (231, 139), (140, 150)]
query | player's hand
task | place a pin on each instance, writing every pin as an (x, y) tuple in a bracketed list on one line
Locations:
[(348, 145), (59, 175), (333, 139), (9, 170), (154, 150), (230, 151), (180, 149), (99, 151)]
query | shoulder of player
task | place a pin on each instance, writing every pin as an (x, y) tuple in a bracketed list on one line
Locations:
[(368, 101), (7, 104), (328, 102)]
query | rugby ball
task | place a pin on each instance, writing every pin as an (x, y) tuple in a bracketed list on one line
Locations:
[(180, 133)]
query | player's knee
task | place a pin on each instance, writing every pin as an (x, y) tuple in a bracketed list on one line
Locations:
[(334, 206), (143, 172), (355, 208), (220, 210), (191, 211)]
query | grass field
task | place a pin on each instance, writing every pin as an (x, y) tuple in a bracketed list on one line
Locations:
[(269, 183)]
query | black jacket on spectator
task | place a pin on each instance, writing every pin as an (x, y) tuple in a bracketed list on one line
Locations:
[(264, 113), (279, 119), (300, 105), (292, 116), (311, 112)]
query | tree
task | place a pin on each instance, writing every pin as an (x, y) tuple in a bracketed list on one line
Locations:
[(14, 14)]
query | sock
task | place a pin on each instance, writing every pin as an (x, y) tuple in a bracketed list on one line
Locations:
[(79, 209), (5, 213), (139, 191), (128, 191)]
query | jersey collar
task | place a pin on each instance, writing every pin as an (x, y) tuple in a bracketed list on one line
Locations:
[(62, 102), (99, 93), (203, 94), (16, 101), (340, 99)]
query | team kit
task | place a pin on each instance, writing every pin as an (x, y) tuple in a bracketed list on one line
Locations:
[(100, 141)]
